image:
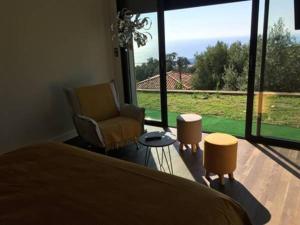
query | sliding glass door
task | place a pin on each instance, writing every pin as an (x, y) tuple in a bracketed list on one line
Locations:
[(276, 113), (200, 60), (146, 72), (207, 58)]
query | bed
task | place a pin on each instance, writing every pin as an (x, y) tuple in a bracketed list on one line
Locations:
[(53, 183)]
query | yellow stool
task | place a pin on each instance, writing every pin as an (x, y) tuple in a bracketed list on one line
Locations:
[(220, 154)]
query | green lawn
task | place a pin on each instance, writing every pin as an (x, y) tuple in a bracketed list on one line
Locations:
[(226, 113)]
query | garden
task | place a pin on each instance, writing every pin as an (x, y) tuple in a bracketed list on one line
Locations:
[(224, 68), (226, 113)]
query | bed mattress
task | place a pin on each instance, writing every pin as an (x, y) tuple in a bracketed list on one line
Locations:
[(54, 183)]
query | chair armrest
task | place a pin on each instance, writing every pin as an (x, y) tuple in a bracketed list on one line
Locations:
[(88, 129), (134, 112)]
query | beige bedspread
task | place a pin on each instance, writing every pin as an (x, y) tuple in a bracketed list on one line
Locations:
[(57, 184)]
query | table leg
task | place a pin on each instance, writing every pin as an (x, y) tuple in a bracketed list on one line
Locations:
[(158, 158), (164, 154), (170, 159), (146, 153), (147, 156)]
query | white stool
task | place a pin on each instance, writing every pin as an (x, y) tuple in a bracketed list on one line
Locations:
[(189, 130)]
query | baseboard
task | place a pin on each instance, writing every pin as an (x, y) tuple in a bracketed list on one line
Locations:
[(65, 136)]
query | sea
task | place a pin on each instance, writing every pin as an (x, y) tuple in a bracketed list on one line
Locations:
[(186, 48)]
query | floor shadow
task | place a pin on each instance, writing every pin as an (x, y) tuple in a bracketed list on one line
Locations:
[(280, 159), (258, 214), (192, 161), (136, 155), (79, 142), (285, 157), (128, 153)]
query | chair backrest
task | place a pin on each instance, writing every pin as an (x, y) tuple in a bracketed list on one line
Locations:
[(72, 100), (98, 102)]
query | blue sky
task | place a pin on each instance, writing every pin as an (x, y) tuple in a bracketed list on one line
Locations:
[(218, 21), (190, 30)]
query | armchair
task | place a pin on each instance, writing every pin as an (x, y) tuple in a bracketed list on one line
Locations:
[(100, 120)]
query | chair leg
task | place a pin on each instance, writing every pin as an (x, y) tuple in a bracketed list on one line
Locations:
[(221, 177), (194, 148), (231, 177), (207, 175), (181, 146), (137, 146)]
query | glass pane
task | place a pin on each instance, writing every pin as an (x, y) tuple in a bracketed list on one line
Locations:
[(207, 64), (146, 63), (277, 96)]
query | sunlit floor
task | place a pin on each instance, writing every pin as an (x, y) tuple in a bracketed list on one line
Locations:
[(267, 179)]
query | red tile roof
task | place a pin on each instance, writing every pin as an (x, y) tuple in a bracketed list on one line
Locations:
[(173, 81)]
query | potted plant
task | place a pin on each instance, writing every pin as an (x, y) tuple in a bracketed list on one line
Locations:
[(129, 27)]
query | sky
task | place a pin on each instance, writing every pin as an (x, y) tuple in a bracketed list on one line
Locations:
[(191, 30)]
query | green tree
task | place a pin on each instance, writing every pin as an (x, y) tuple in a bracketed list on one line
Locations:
[(182, 64), (175, 62), (243, 78), (282, 62), (282, 65), (230, 79), (210, 67), (229, 66), (146, 70), (238, 55), (235, 74), (171, 61), (226, 67)]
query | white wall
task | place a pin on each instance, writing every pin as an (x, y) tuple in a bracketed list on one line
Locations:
[(44, 46)]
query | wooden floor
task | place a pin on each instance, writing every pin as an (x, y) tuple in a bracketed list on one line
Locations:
[(267, 181)]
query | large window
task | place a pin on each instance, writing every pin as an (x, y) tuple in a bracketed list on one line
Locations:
[(146, 72), (209, 60), (277, 81), (207, 64)]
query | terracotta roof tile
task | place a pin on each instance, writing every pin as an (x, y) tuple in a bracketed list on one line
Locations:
[(173, 80)]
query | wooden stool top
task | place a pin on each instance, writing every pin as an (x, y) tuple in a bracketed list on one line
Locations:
[(190, 117), (221, 139)]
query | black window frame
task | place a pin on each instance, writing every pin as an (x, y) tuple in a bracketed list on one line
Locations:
[(164, 5)]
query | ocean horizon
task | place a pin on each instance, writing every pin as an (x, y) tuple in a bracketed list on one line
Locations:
[(186, 48)]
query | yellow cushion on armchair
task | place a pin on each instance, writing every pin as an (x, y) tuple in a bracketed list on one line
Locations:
[(97, 101), (119, 131), (100, 119)]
